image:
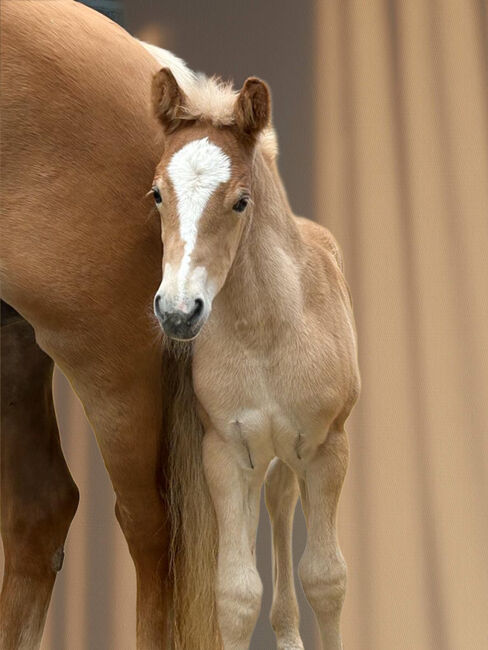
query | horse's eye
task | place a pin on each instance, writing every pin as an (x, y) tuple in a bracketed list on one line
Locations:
[(157, 195), (241, 204)]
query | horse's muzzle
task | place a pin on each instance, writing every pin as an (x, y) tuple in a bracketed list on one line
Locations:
[(178, 324)]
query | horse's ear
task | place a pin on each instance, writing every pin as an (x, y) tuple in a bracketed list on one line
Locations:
[(252, 111), (168, 100)]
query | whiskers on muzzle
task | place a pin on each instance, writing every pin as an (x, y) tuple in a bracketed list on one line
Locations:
[(181, 321)]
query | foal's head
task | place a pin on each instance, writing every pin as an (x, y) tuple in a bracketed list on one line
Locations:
[(202, 189)]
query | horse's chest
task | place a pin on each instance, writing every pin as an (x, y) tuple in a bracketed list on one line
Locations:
[(269, 406)]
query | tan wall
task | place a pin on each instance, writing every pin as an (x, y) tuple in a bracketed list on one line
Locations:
[(402, 179), (395, 163)]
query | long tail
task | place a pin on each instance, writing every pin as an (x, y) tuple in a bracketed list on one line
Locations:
[(193, 548)]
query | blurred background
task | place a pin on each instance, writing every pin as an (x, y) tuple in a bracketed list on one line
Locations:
[(381, 108)]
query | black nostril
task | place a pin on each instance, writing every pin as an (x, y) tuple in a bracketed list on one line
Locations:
[(197, 311)]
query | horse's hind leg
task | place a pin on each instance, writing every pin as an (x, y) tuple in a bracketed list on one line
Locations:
[(322, 568), (281, 491), (38, 495)]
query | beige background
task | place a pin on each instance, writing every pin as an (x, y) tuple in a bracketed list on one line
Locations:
[(382, 112)]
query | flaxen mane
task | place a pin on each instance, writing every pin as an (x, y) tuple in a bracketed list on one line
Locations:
[(208, 98)]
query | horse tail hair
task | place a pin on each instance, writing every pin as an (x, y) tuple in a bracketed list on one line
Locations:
[(193, 525)]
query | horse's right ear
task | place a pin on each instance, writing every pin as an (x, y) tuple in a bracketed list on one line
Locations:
[(168, 100)]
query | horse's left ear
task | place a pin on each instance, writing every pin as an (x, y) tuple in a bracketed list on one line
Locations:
[(168, 100), (252, 111)]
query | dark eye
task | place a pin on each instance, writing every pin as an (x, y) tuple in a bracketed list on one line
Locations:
[(241, 204), (157, 195)]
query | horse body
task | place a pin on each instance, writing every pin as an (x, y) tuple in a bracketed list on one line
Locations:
[(275, 375), (275, 372), (282, 359), (80, 257)]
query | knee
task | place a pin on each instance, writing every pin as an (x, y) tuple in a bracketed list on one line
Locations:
[(324, 582), (65, 505), (144, 527), (34, 530), (239, 601)]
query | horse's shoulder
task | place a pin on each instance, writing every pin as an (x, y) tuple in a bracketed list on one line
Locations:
[(320, 237)]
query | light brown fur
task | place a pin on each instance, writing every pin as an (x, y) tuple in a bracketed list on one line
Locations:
[(274, 368)]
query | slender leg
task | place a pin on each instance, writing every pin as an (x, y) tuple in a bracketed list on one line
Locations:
[(322, 568), (281, 498), (235, 487), (127, 425), (38, 495)]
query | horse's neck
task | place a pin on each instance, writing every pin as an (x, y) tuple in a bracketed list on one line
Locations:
[(264, 282)]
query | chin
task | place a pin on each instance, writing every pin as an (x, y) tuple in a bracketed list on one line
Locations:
[(183, 334)]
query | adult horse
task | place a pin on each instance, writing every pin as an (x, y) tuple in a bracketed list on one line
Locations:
[(80, 261)]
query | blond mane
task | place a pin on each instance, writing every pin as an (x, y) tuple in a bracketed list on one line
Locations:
[(208, 98)]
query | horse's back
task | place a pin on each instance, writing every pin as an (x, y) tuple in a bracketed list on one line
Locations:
[(79, 147), (320, 237), (324, 263)]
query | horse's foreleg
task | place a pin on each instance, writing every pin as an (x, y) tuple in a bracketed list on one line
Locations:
[(38, 495), (235, 491), (322, 568), (281, 491), (126, 417)]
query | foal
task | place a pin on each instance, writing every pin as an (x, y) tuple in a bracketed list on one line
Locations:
[(275, 367)]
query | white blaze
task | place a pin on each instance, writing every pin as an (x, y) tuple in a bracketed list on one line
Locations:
[(196, 170)]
